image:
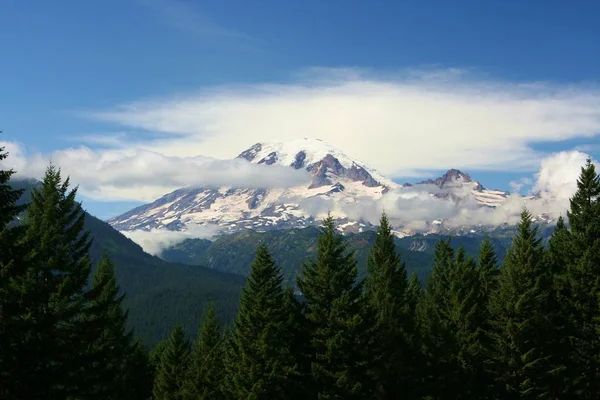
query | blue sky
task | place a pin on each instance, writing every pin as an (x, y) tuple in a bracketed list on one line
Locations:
[(69, 67)]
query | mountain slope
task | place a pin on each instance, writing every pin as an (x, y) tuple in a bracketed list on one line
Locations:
[(291, 247), (339, 184), (159, 294)]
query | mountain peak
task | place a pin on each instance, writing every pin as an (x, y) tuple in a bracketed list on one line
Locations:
[(316, 156), (452, 177)]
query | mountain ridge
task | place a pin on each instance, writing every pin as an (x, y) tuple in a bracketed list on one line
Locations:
[(338, 183)]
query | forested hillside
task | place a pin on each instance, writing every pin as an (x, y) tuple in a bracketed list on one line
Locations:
[(159, 294), (290, 247)]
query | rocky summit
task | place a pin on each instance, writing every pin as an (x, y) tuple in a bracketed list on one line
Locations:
[(339, 184)]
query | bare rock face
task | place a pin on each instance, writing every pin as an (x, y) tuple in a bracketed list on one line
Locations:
[(299, 160)]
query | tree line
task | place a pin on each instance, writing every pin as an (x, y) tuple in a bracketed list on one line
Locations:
[(526, 329)]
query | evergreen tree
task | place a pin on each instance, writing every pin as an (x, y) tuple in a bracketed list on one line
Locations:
[(156, 353), (580, 249), (299, 343), (439, 343), (173, 367), (56, 323), (334, 313), (11, 265), (386, 294), (413, 296), (523, 349), (114, 340), (487, 265), (138, 373), (206, 368), (468, 312), (260, 364)]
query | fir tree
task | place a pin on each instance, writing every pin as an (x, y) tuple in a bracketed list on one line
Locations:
[(334, 313), (298, 343), (11, 265), (173, 367), (138, 373), (156, 353), (260, 364), (206, 371), (114, 340), (487, 265), (439, 346), (524, 339), (581, 250), (386, 293), (56, 319)]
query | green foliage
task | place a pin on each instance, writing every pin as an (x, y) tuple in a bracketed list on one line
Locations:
[(11, 268), (138, 372), (169, 383), (114, 342), (335, 319), (207, 370), (290, 247), (260, 363), (57, 321), (524, 339), (386, 293), (579, 248)]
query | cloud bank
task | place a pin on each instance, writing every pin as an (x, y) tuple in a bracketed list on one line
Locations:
[(146, 175), (155, 241), (414, 208), (399, 123)]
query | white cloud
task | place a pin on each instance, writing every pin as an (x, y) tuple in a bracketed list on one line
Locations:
[(145, 175), (558, 174), (399, 123), (155, 241), (518, 185)]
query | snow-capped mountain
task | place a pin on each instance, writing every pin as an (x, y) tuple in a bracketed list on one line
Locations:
[(340, 184)]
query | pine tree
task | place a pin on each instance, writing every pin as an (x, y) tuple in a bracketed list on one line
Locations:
[(206, 371), (438, 340), (299, 344), (11, 265), (173, 367), (386, 294), (334, 313), (468, 312), (260, 364), (524, 339), (485, 285), (580, 249), (114, 340), (487, 265), (56, 321), (139, 377)]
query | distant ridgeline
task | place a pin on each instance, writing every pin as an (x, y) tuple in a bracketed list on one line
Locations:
[(290, 247)]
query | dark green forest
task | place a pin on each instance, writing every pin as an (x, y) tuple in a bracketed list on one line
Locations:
[(524, 328), (234, 252)]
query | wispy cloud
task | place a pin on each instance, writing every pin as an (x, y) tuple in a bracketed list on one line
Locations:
[(416, 120), (155, 241), (109, 139), (186, 17)]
